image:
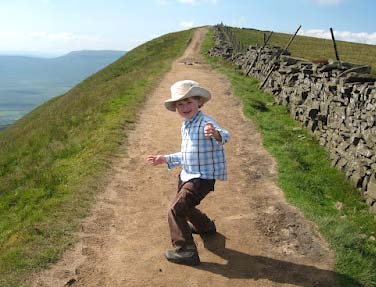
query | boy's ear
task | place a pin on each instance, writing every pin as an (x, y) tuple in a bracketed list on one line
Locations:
[(200, 101)]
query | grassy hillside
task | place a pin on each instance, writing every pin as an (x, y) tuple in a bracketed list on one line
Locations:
[(54, 159), (26, 82), (313, 48), (309, 181)]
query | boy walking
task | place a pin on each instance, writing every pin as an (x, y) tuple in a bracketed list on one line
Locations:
[(203, 162)]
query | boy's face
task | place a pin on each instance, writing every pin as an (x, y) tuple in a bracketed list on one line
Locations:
[(187, 108)]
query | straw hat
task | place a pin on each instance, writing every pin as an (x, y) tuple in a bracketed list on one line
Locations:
[(185, 89)]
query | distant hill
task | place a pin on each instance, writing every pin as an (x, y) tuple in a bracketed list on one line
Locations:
[(26, 82)]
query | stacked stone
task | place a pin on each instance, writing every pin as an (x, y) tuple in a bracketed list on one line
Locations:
[(336, 101), (222, 47), (341, 113)]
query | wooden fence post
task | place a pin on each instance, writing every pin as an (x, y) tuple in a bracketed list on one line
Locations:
[(335, 48), (278, 56)]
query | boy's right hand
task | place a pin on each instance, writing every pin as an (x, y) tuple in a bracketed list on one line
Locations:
[(156, 159)]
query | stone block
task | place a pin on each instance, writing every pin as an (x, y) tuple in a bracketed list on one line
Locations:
[(363, 150), (371, 188), (358, 77), (341, 164)]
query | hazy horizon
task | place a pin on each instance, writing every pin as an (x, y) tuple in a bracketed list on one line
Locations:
[(61, 26), (41, 54)]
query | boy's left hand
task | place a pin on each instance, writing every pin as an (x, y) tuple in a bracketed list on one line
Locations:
[(156, 159), (210, 131)]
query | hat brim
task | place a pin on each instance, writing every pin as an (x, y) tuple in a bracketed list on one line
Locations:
[(192, 92)]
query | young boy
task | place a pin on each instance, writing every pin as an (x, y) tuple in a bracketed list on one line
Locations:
[(203, 162)]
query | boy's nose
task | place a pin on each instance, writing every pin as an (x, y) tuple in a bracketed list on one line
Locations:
[(185, 107)]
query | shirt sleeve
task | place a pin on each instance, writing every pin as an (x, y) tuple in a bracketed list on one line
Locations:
[(173, 160), (225, 135)]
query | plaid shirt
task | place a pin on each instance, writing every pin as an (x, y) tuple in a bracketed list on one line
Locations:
[(200, 156)]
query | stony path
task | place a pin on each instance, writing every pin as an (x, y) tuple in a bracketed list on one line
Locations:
[(261, 240)]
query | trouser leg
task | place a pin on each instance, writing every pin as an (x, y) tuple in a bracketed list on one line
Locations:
[(183, 208), (200, 221)]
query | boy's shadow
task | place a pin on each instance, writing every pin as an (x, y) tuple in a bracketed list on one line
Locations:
[(242, 265)]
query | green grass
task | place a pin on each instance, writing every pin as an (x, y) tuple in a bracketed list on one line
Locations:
[(54, 160), (308, 180), (311, 48)]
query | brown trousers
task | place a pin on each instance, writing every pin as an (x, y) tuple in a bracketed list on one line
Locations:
[(183, 209)]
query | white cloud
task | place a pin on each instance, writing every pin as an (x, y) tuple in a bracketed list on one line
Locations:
[(186, 2), (327, 2), (361, 37), (187, 24), (192, 2), (63, 36), (318, 33), (43, 41), (239, 22), (162, 2), (197, 2)]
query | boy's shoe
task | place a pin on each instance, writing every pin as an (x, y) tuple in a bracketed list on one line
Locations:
[(212, 230), (187, 255)]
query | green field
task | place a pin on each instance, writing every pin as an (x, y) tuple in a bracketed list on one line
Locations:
[(312, 48)]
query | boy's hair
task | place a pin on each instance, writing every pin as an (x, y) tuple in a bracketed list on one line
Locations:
[(199, 99)]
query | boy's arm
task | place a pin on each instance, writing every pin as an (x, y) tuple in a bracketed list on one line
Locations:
[(212, 129), (225, 135), (173, 160)]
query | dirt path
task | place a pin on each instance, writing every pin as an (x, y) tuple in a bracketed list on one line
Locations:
[(262, 241)]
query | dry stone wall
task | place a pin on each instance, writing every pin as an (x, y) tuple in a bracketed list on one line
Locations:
[(335, 101)]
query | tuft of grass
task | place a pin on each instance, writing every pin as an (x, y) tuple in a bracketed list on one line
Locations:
[(311, 48), (54, 160), (309, 181)]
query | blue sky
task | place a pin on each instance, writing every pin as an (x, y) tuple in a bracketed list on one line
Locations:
[(55, 27)]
